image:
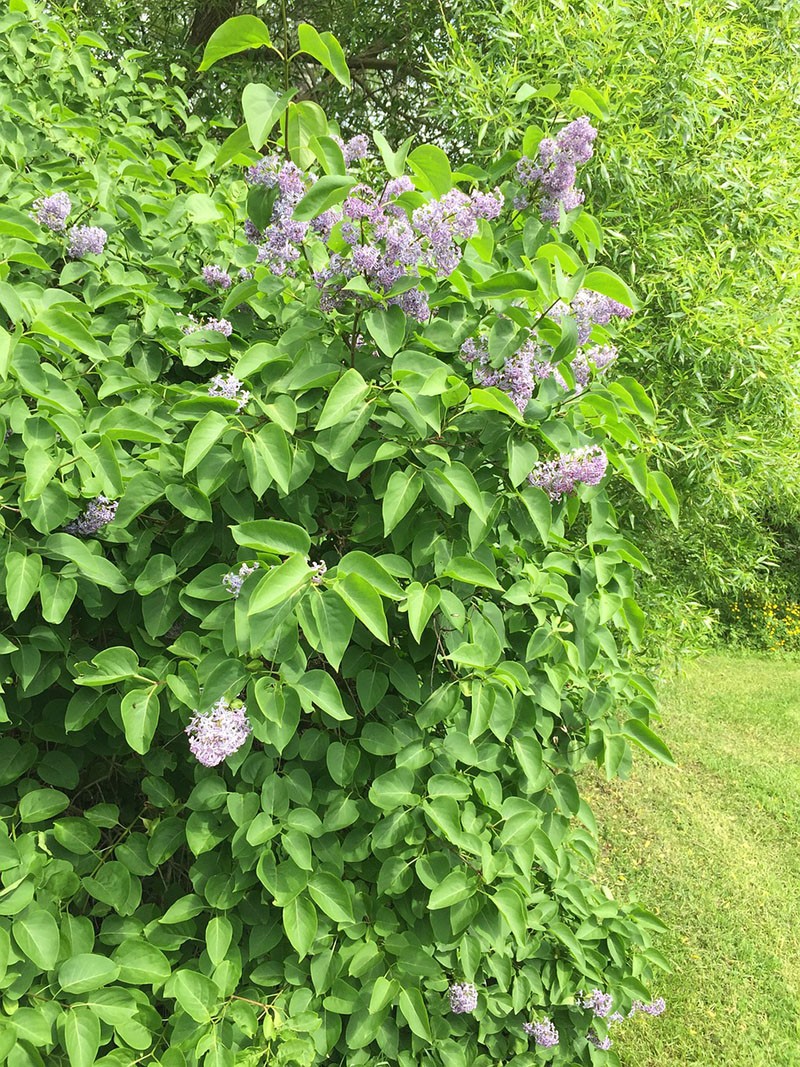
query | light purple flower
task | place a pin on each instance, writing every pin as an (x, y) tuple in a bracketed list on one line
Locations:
[(603, 1043), (356, 148), (555, 170), (602, 356), (216, 276), (543, 1033), (463, 998), (52, 211), (319, 571), (217, 325), (655, 1007), (86, 239), (245, 275), (234, 581), (230, 388), (599, 1002), (218, 733), (516, 377), (560, 476), (100, 512), (252, 232)]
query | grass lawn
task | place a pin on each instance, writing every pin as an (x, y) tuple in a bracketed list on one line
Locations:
[(714, 849)]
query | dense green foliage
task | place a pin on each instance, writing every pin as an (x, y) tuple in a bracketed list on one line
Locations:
[(696, 185), (404, 814), (713, 845)]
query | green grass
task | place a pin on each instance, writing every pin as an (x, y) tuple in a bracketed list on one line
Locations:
[(713, 847)]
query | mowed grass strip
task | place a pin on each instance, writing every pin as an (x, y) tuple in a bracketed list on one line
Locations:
[(713, 847)]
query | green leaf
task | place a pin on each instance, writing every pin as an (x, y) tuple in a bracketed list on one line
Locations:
[(329, 190), (322, 691), (86, 971), (235, 144), (238, 34), (364, 603), (602, 280), (113, 664), (37, 936), (412, 1008), (300, 924), (461, 479), (346, 394), (326, 50), (7, 343), (262, 108), (63, 327), (81, 1036), (421, 602), (202, 439), (42, 804), (219, 933), (402, 490), (272, 535), (22, 580), (335, 624), (140, 710), (512, 908), (639, 732), (141, 963), (40, 466), (660, 487), (195, 994), (394, 789), (330, 895), (432, 168), (387, 327), (279, 584), (538, 506), (95, 567), (457, 886), (466, 569)]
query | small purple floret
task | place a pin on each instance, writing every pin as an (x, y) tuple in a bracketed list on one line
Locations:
[(216, 276), (218, 733), (230, 388), (463, 998), (561, 476), (543, 1033), (234, 581), (52, 211), (98, 514), (86, 239)]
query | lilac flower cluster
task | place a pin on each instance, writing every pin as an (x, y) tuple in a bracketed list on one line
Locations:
[(655, 1007), (234, 581), (387, 246), (230, 388), (279, 243), (543, 1033), (217, 325), (517, 377), (354, 149), (590, 309), (555, 171), (216, 276), (218, 733), (319, 570), (561, 476), (99, 513), (603, 1043), (599, 1002), (463, 997), (52, 211), (86, 239)]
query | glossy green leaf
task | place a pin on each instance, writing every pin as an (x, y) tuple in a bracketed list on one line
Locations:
[(237, 34)]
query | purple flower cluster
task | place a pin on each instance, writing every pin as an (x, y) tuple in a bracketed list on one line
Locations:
[(463, 998), (319, 570), (543, 1033), (603, 1043), (99, 513), (218, 733), (217, 325), (52, 211), (517, 377), (655, 1007), (230, 388), (556, 168), (599, 1002), (561, 476), (279, 243), (86, 239), (216, 276), (234, 581), (602, 356), (354, 149), (590, 309), (387, 247)]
